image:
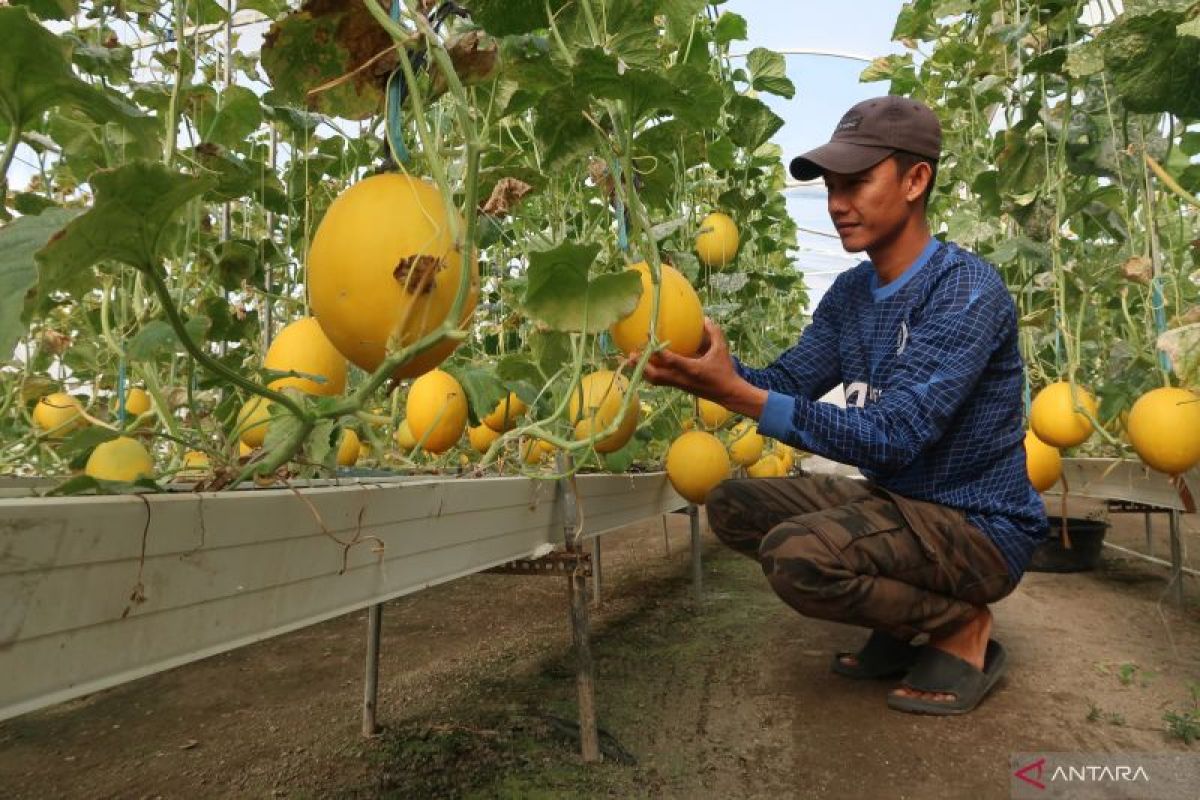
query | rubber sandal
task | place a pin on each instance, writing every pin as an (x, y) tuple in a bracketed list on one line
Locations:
[(938, 671), (883, 656)]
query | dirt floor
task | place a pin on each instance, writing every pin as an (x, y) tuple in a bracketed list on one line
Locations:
[(731, 698)]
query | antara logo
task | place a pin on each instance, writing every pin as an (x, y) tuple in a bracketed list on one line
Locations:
[(1033, 773)]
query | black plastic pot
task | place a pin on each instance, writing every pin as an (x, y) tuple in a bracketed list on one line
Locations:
[(1087, 540)]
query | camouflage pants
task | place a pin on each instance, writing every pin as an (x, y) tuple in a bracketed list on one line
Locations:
[(849, 551)]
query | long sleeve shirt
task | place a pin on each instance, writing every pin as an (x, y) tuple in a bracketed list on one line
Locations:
[(933, 380)]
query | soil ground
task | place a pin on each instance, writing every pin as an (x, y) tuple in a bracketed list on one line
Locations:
[(729, 698)]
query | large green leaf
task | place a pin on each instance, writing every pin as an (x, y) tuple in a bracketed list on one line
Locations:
[(36, 74), (560, 296), (768, 72), (19, 240), (50, 9), (131, 220), (755, 123)]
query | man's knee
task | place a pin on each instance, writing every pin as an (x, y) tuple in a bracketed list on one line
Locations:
[(722, 509), (799, 563)]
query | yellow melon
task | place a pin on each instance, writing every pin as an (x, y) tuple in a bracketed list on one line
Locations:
[(717, 241), (696, 463), (303, 347), (384, 269), (1164, 429), (58, 414), (747, 445), (1042, 462), (594, 406), (121, 459), (436, 411), (680, 315), (504, 416), (1054, 418)]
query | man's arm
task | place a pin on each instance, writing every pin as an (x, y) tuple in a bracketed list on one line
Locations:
[(810, 368), (945, 355)]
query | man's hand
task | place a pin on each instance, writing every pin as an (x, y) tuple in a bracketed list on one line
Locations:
[(710, 374)]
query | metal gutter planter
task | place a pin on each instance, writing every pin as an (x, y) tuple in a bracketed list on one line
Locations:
[(97, 591)]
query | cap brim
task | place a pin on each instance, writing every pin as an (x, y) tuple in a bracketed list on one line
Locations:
[(841, 157)]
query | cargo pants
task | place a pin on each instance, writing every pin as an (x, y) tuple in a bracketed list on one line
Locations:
[(850, 551)]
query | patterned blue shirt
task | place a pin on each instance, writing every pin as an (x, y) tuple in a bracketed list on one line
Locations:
[(933, 380)]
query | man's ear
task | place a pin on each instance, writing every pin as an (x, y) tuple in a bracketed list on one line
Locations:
[(917, 181)]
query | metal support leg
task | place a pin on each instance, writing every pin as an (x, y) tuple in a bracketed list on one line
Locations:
[(693, 512), (371, 684), (1149, 534), (1176, 583), (585, 682), (596, 570)]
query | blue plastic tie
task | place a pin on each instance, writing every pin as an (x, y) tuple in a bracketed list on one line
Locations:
[(1160, 319), (121, 393), (622, 232), (395, 103)]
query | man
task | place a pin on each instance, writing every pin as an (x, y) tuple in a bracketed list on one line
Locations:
[(923, 337)]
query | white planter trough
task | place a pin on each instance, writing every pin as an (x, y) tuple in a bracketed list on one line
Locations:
[(82, 607)]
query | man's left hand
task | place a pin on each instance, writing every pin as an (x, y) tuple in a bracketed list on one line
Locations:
[(710, 374)]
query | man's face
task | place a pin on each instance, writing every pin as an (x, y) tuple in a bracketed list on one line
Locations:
[(870, 208)]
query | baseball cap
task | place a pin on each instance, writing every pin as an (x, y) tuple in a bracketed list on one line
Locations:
[(870, 132)]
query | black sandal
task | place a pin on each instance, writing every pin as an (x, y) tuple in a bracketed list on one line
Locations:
[(883, 656), (938, 671)]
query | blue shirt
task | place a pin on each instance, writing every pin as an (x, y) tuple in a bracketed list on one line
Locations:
[(933, 380)]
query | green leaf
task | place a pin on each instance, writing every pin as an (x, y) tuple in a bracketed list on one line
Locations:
[(730, 27), (82, 442), (76, 485), (1154, 69), (560, 296), (721, 154), (157, 338), (768, 72), (19, 240), (130, 221), (504, 17), (268, 8), (239, 114), (36, 74), (1085, 58), (551, 351), (320, 445), (484, 390), (50, 9), (753, 122)]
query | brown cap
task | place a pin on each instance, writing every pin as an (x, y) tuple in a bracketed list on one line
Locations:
[(870, 132)]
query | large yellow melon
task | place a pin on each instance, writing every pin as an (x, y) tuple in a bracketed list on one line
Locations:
[(436, 411), (680, 315), (1054, 418), (303, 347), (1164, 429), (696, 463), (594, 406), (383, 270)]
